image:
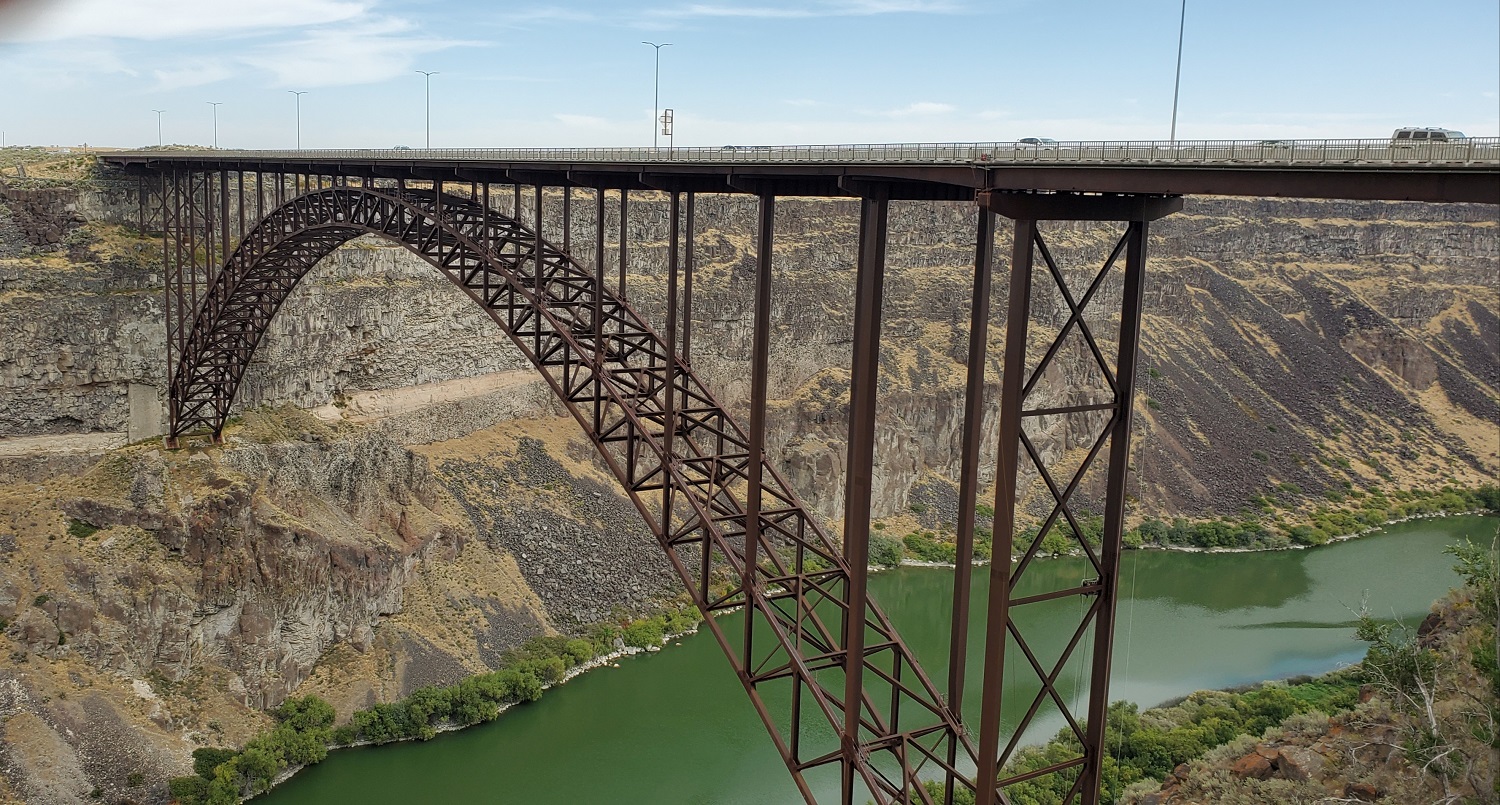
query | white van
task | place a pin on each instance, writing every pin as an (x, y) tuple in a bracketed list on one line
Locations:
[(1413, 135)]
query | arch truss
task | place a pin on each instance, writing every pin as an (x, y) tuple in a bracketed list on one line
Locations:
[(841, 694)]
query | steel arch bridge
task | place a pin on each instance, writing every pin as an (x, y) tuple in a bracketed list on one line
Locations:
[(620, 381), (838, 690)]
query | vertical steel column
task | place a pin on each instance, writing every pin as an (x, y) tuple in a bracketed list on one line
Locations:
[(600, 351), (171, 250), (193, 248), (669, 405), (1114, 506), (624, 240), (863, 383), (760, 351), (537, 218), (484, 225), (536, 259), (968, 474), (1012, 387), (567, 222), (239, 181), (687, 286)]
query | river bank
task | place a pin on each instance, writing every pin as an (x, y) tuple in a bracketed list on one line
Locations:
[(1475, 512), (1202, 622), (440, 727)]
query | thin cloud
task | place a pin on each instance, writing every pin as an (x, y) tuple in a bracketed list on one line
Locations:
[(364, 53), (165, 19), (837, 8), (193, 74), (57, 68), (582, 121), (922, 108)]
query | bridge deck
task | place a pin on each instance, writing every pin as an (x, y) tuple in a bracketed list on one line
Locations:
[(1458, 171)]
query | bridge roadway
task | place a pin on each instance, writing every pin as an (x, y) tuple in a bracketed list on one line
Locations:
[(1458, 171)]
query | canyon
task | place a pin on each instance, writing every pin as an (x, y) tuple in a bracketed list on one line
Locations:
[(400, 500)]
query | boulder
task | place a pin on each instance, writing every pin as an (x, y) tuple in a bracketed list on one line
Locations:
[(1254, 765)]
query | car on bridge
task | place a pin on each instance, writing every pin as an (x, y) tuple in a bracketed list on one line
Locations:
[(1044, 142), (1412, 135)]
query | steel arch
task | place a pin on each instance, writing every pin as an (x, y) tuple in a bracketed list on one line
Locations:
[(618, 379)]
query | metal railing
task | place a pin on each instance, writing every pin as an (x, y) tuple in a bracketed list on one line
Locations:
[(1477, 151)]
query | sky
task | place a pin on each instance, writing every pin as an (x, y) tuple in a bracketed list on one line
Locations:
[(566, 74)]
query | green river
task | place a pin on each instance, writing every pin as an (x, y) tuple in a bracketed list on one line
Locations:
[(675, 727)]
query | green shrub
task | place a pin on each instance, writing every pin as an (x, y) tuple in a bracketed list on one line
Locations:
[(579, 651), (80, 529), (924, 546), (188, 790), (885, 551), (644, 633), (208, 758)]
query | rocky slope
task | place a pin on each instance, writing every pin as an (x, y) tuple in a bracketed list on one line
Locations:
[(1385, 750), (435, 508)]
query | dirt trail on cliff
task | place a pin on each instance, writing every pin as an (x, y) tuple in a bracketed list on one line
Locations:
[(62, 443)]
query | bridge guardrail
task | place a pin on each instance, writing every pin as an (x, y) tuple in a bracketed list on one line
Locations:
[(1470, 151)]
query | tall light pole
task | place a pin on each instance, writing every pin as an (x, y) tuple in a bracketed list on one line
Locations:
[(215, 105), (1177, 84), (429, 75), (299, 115), (656, 88), (158, 125)]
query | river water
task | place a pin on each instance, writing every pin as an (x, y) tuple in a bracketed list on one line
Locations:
[(675, 727)]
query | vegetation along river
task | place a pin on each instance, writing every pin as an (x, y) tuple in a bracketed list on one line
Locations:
[(675, 728)]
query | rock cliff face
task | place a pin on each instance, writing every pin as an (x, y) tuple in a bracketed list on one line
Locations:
[(438, 509)]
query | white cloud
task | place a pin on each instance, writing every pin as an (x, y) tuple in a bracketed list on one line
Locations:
[(582, 121), (36, 21), (59, 68), (922, 108), (363, 53), (195, 73), (828, 8)]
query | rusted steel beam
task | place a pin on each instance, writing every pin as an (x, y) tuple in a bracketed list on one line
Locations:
[(1114, 506), (624, 237), (1007, 458), (567, 219), (760, 351), (1078, 206), (968, 474), (670, 402), (863, 383), (687, 283)]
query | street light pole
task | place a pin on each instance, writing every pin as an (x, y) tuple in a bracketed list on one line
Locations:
[(299, 115), (656, 88), (429, 75), (215, 105), (1177, 84), (158, 126)]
